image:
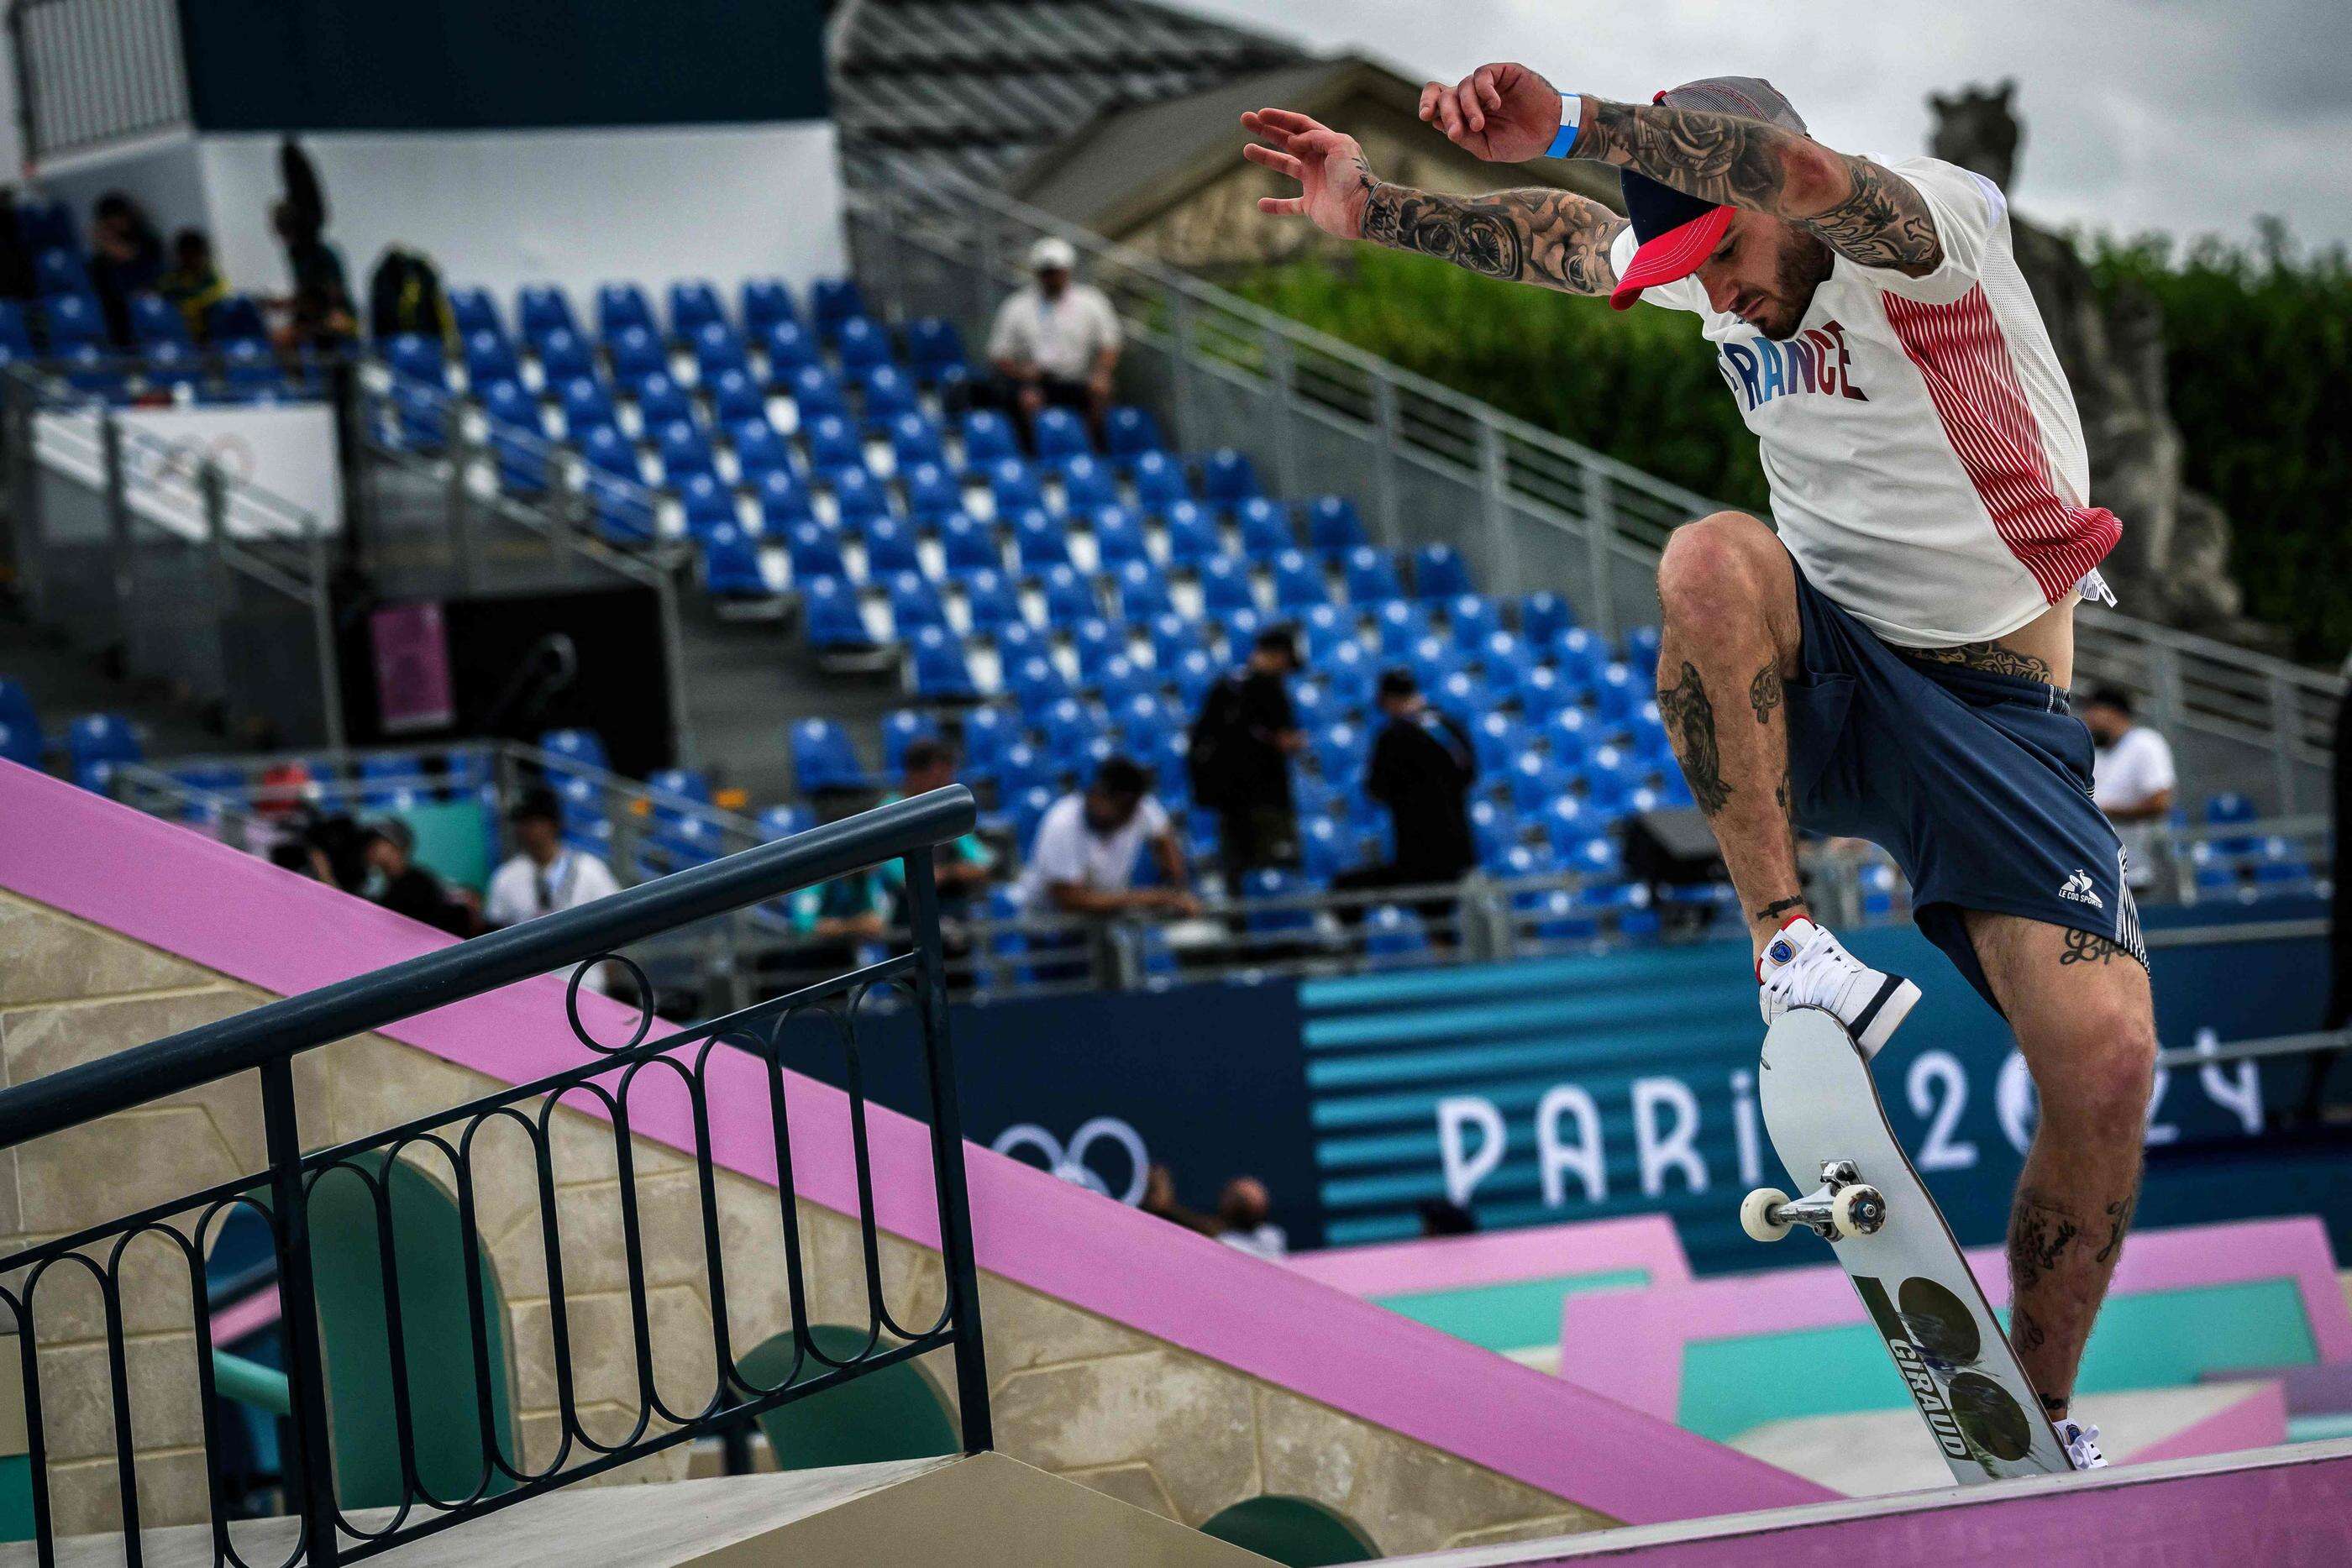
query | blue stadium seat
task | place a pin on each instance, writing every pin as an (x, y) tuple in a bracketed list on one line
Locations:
[(1159, 482), (684, 450), (1039, 541), (1541, 692), (1332, 524), (619, 308), (1438, 573), (1371, 576), (17, 704), (20, 743), (1228, 479), (932, 494), (814, 551), (1582, 658), (857, 496), (935, 350), (888, 392), (98, 743), (1087, 484), (507, 403), (1267, 883), (1096, 642), (1500, 741), (73, 320), (789, 346), (1569, 736), (757, 448), (1341, 749), (59, 270), (942, 673), (562, 354), (861, 342), (1621, 692), (890, 549), (1473, 620), (171, 366), (1015, 486), (832, 444), (1060, 434), (542, 309), (716, 348), (1142, 591), (766, 301), (693, 304), (1264, 527), (421, 415), (234, 319), (622, 514), (823, 759), (586, 404), (1128, 433), (707, 501), (731, 564), (155, 319), (1642, 652), (900, 729), (783, 821), (636, 353), (1192, 674), (583, 747), (1069, 598), (735, 396), (1400, 626), (831, 616), (784, 502), (1393, 933), (473, 310), (815, 393), (834, 300), (1225, 586), (661, 401), (989, 601), (490, 358), (1034, 681), (1118, 535), (1544, 616), (415, 355), (249, 370), (1299, 581), (1192, 534), (607, 451), (987, 438)]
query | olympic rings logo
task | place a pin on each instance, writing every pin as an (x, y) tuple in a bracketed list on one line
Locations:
[(1070, 1163)]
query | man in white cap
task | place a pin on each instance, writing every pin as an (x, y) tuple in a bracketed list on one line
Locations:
[(1891, 660), (1056, 343)]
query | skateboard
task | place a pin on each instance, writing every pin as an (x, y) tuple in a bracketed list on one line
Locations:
[(1827, 1124)]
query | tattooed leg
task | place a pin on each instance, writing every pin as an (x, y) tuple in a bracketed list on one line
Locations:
[(1730, 601), (2081, 1011)]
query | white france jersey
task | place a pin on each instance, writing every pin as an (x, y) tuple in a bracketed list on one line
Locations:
[(1923, 448)]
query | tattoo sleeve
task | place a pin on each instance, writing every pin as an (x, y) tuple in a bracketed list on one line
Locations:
[(1858, 208), (1554, 239), (1689, 719)]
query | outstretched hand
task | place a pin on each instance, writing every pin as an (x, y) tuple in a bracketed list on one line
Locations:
[(1333, 181), (1504, 113)]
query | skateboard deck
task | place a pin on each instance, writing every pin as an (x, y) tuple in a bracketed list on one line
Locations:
[(1820, 1105)]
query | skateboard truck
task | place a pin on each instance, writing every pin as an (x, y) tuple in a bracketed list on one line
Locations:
[(1842, 1207)]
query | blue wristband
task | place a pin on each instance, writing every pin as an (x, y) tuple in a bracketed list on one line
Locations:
[(1571, 117)]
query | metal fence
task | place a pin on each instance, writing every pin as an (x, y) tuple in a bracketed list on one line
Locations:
[(167, 569), (93, 73), (871, 1006), (1528, 510)]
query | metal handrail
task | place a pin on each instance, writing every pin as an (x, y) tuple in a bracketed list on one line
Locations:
[(282, 1029)]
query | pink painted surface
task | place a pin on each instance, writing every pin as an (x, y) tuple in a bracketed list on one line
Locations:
[(238, 914), (1644, 1241), (1629, 1344), (258, 1310), (2289, 1509), (2256, 1421)]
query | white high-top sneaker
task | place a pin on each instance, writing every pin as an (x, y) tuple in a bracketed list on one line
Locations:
[(1805, 966), (2082, 1443)]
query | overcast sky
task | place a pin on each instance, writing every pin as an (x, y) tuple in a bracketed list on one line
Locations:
[(2185, 116)]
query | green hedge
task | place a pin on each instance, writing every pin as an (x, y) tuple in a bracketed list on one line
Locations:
[(2260, 363)]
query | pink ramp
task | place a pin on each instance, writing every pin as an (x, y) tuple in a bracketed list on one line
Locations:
[(2276, 1506), (237, 913), (1643, 1241), (1630, 1344)]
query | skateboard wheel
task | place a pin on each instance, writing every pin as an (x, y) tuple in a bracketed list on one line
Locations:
[(1857, 1211), (1756, 1214)]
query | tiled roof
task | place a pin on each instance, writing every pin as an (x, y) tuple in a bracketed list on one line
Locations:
[(978, 87)]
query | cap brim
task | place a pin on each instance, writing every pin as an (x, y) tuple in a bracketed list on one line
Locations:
[(1672, 255)]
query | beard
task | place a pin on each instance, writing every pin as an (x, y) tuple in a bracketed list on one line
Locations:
[(1802, 266)]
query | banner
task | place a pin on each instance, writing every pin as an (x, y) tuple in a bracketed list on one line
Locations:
[(284, 452), (1544, 1091)]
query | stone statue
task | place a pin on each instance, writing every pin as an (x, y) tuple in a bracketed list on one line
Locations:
[(2172, 565)]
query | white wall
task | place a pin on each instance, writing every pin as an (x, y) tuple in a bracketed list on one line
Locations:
[(500, 209)]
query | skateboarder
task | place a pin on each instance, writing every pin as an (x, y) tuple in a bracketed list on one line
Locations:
[(1894, 664)]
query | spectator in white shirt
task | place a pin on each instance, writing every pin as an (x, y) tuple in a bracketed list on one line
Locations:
[(1087, 847), (1056, 343), (547, 875), (2133, 778)]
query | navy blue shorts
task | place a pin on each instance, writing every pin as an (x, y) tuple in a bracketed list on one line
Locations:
[(1978, 784)]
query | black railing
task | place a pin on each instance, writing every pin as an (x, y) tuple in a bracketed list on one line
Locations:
[(907, 988), (90, 73)]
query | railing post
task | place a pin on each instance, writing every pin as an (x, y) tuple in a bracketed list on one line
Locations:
[(1494, 484), (322, 633), (2170, 705), (461, 521), (2286, 733), (1599, 550), (1282, 375), (956, 1256), (118, 530), (1386, 504), (1180, 359), (214, 489), (306, 1369)]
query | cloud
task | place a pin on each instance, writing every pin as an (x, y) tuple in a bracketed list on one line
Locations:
[(2180, 116)]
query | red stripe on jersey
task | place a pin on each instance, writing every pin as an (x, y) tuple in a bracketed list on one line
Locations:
[(1961, 353)]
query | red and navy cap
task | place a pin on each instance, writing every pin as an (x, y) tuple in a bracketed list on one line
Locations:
[(1677, 233)]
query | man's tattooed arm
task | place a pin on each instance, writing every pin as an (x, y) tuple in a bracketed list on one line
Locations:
[(1990, 657), (1555, 238), (1858, 208)]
